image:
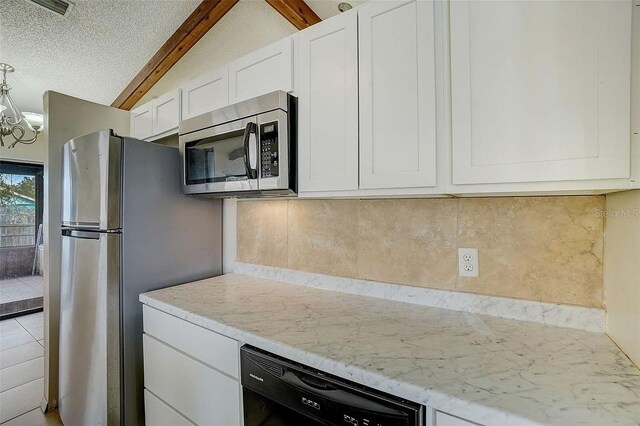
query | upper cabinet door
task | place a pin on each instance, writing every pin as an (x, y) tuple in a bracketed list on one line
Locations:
[(397, 94), (328, 105), (262, 71), (166, 112), (540, 90), (142, 121), (207, 93)]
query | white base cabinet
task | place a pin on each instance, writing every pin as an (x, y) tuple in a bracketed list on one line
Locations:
[(191, 375), (157, 413)]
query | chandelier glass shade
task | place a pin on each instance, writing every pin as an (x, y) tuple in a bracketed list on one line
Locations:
[(16, 127)]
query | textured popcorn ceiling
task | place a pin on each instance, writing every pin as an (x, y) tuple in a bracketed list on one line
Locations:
[(93, 53)]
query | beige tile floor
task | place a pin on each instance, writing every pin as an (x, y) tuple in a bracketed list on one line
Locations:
[(22, 372), (14, 289)]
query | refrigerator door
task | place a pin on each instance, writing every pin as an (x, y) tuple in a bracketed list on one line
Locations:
[(90, 329), (91, 179)]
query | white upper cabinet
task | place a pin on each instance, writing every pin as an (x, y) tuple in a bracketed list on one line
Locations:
[(206, 93), (166, 113), (157, 118), (262, 71), (540, 90), (328, 105), (397, 94), (142, 122)]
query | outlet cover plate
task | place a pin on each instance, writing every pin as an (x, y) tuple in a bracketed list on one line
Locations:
[(468, 262)]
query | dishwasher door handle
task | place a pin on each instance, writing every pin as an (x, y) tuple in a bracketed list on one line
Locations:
[(340, 396)]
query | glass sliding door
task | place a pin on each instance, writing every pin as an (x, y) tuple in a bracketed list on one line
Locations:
[(21, 196)]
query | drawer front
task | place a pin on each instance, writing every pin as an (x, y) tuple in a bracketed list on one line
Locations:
[(211, 348), (157, 413), (200, 393), (443, 419)]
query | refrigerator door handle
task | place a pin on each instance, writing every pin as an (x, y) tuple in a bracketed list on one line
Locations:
[(88, 235)]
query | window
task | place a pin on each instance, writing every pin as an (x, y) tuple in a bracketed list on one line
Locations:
[(20, 203)]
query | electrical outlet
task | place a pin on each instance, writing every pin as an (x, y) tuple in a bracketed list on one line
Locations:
[(468, 262)]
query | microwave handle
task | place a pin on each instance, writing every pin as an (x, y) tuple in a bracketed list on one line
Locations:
[(252, 172)]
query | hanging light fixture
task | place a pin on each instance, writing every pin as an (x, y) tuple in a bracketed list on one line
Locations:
[(14, 125)]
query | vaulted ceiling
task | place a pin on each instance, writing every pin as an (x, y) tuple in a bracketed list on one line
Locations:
[(92, 53), (96, 50)]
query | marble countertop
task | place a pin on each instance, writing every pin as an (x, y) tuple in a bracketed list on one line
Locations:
[(490, 370)]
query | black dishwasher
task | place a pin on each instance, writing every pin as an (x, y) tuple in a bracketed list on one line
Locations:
[(280, 392)]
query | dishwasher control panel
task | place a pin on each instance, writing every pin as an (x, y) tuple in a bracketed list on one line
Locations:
[(280, 391)]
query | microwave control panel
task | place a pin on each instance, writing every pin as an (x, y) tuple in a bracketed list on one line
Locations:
[(269, 150)]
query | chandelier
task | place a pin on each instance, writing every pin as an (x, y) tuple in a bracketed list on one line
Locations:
[(16, 127)]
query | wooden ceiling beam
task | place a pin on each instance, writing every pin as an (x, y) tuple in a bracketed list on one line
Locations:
[(297, 12), (203, 18)]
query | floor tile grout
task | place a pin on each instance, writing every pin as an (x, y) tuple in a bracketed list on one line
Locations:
[(23, 413), (25, 329), (22, 362), (21, 384)]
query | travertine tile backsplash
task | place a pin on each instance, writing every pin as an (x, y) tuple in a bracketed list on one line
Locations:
[(538, 248)]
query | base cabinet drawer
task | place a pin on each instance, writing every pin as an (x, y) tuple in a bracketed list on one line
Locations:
[(211, 348), (157, 413), (200, 393)]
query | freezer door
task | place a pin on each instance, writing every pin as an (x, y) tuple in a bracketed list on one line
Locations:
[(91, 181), (90, 329)]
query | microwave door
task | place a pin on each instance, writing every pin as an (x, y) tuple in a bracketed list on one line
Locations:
[(221, 158)]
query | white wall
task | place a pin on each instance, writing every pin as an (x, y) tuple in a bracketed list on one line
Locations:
[(33, 153), (248, 26), (622, 271), (65, 118)]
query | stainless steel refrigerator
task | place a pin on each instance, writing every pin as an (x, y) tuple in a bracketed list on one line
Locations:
[(126, 229)]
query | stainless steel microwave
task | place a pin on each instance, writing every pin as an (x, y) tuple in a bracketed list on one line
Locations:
[(247, 149)]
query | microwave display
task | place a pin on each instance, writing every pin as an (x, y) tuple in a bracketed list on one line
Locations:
[(269, 150), (215, 159)]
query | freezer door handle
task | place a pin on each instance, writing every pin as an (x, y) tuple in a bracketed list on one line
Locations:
[(88, 235)]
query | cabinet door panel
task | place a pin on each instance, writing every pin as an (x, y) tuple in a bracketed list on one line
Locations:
[(262, 71), (142, 121), (207, 93), (397, 95), (540, 90), (166, 112), (328, 105)]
